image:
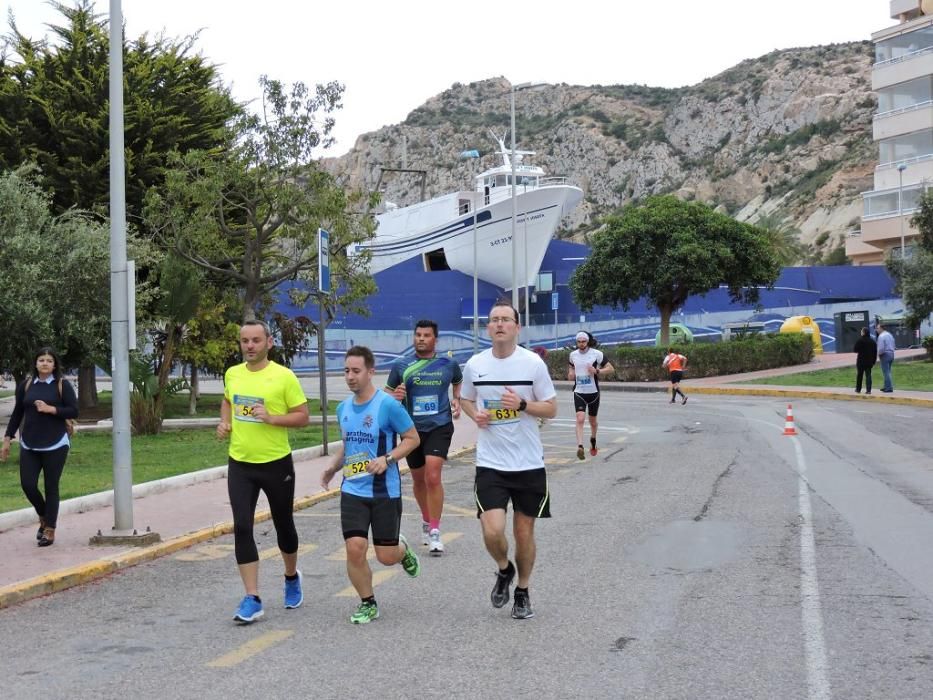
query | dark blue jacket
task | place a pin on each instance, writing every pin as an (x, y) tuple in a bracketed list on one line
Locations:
[(42, 429)]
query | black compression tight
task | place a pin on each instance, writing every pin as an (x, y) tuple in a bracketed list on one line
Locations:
[(244, 482), (51, 463)]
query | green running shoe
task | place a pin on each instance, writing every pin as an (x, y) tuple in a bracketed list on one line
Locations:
[(410, 561), (365, 613)]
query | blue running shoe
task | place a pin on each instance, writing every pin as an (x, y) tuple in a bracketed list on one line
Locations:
[(293, 594), (249, 611)]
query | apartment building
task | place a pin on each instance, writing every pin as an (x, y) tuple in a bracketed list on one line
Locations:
[(902, 77)]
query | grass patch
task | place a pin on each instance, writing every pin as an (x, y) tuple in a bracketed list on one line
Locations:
[(176, 406), (89, 468), (915, 376)]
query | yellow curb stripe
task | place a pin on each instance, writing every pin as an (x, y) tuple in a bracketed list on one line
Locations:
[(807, 394), (84, 573), (251, 648)]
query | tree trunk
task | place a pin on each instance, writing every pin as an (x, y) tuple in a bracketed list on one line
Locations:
[(193, 391), (666, 312), (87, 387)]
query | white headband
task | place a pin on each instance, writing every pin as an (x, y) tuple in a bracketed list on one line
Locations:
[(583, 336)]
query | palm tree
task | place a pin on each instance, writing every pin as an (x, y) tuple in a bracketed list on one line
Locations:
[(784, 237)]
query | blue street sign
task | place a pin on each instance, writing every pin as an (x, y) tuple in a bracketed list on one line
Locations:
[(554, 300), (323, 262)]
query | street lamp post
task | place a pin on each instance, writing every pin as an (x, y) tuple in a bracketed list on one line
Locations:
[(900, 204), (520, 86), (514, 205)]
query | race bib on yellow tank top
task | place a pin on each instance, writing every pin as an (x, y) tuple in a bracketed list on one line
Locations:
[(243, 407)]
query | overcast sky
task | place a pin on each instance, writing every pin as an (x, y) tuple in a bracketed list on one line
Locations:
[(392, 56)]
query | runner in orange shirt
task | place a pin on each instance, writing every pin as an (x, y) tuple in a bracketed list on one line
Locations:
[(676, 363)]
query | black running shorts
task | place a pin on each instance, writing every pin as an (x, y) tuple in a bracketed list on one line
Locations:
[(528, 491), (676, 376), (434, 443), (358, 514), (586, 402)]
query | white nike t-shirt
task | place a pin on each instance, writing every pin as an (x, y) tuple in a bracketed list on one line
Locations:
[(586, 383), (512, 441)]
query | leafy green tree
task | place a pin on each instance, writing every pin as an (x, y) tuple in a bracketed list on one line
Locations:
[(54, 108), (209, 340), (249, 215), (914, 275), (50, 270), (666, 250), (784, 238)]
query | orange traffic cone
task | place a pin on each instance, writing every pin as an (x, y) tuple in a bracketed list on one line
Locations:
[(789, 428)]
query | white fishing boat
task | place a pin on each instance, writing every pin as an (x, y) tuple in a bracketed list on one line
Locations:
[(441, 230)]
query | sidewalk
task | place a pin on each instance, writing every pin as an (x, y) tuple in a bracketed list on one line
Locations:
[(194, 508), (732, 384), (189, 513)]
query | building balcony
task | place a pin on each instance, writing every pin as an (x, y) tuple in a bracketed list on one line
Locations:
[(885, 231), (894, 201), (919, 170), (904, 10), (903, 121), (910, 67), (860, 252)]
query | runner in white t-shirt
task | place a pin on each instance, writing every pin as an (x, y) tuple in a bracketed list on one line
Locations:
[(587, 364), (506, 389)]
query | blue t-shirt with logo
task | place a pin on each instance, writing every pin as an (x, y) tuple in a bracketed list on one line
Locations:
[(369, 431), (427, 383)]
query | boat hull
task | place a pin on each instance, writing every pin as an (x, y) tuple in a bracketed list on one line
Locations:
[(539, 212)]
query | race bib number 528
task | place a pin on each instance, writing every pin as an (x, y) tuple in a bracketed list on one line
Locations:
[(355, 465)]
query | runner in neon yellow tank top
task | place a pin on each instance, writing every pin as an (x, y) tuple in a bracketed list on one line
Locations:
[(261, 401)]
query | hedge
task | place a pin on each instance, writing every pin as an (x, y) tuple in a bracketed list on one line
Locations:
[(643, 364)]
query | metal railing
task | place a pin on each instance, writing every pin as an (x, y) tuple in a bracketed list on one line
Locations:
[(902, 110)]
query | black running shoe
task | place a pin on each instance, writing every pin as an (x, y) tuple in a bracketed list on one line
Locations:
[(521, 609), (684, 401), (500, 592)]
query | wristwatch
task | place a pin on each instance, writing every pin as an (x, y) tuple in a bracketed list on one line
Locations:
[(523, 405), (390, 460)]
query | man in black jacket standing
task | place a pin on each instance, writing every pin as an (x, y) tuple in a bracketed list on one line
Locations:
[(867, 352)]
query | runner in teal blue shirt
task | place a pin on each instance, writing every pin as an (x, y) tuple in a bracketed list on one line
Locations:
[(423, 384)]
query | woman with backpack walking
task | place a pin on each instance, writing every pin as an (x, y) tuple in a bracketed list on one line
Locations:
[(45, 406)]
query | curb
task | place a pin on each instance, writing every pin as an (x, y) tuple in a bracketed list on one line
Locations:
[(85, 573), (807, 394), (752, 390)]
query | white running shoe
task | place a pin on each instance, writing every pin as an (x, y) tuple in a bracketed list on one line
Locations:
[(436, 547), (425, 534)]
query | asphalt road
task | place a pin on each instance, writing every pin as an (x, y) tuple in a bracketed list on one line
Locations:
[(702, 554)]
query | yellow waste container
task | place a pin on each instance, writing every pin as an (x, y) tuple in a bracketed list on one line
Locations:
[(805, 324)]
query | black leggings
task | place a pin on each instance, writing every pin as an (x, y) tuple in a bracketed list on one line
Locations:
[(51, 463), (277, 480)]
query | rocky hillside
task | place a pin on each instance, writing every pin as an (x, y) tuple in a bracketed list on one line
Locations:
[(787, 134)]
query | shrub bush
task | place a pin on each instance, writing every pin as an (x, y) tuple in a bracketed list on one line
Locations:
[(928, 344), (643, 364)]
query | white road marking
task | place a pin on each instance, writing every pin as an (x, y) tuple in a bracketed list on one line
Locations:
[(811, 611)]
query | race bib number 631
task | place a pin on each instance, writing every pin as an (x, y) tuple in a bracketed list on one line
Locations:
[(499, 414)]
